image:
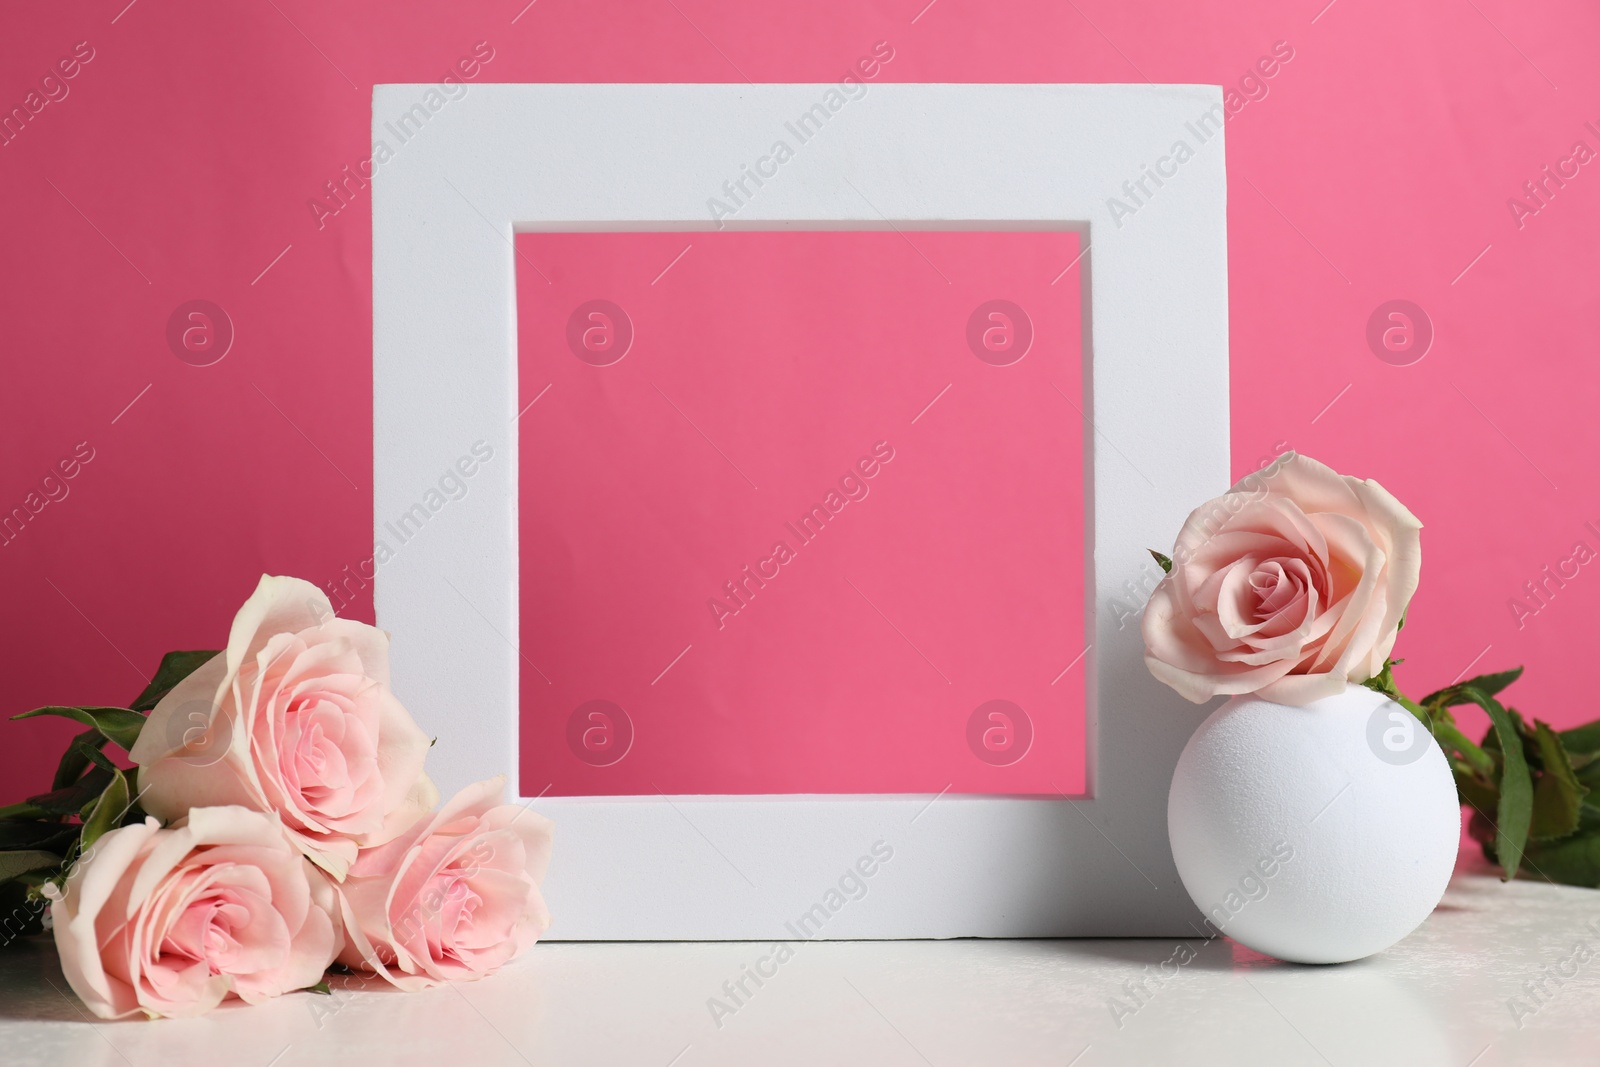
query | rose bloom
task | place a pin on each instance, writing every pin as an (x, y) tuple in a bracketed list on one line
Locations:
[(294, 717), (1290, 585), (454, 897), (169, 922)]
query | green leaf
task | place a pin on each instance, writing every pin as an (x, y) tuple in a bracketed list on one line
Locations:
[(1483, 796), (1515, 810), (175, 667), (1573, 860), (70, 801), (24, 912), (42, 877), (320, 987), (1491, 740), (107, 812), (75, 760), (1492, 684), (1585, 739), (1589, 772), (46, 836), (1487, 684), (1557, 795), (23, 810), (21, 862), (119, 725), (1165, 561)]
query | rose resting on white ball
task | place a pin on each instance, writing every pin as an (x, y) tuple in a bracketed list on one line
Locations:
[(1316, 834)]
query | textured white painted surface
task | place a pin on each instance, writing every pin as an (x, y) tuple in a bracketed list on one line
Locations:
[(1444, 997), (641, 157), (1318, 834)]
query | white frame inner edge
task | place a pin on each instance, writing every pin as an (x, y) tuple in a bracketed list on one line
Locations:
[(508, 158)]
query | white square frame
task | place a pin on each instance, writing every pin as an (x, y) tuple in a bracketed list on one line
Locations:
[(505, 158)]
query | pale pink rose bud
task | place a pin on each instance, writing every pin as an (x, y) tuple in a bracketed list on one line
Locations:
[(295, 717), (169, 922), (1290, 585), (454, 897)]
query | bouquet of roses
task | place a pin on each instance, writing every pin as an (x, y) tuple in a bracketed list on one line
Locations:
[(278, 824)]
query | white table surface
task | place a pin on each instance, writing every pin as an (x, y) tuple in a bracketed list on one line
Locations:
[(1440, 997)]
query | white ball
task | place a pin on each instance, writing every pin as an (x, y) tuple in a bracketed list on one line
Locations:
[(1318, 834)]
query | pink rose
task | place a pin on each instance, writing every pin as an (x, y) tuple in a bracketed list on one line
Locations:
[(169, 922), (294, 717), (1289, 585), (454, 897)]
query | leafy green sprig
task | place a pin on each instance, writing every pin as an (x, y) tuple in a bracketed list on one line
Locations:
[(44, 836), (1532, 788)]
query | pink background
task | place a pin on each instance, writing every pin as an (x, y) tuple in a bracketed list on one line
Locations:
[(179, 166), (950, 577)]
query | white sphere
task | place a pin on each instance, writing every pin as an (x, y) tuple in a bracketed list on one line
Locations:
[(1317, 834)]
